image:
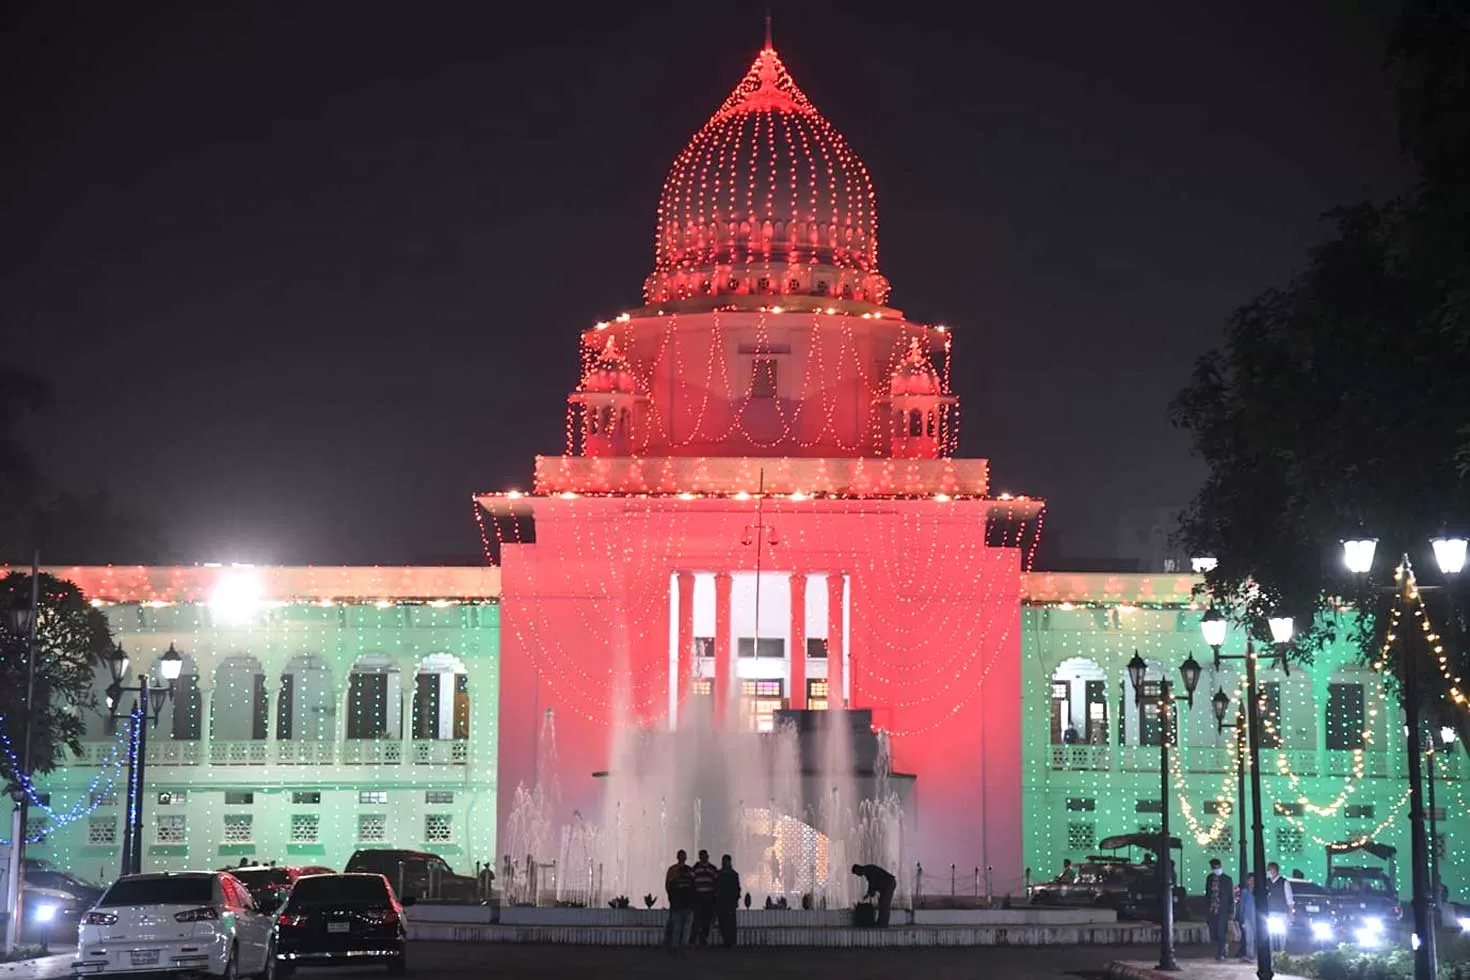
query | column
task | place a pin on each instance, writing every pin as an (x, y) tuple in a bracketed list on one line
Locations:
[(684, 649), (797, 659), (835, 696), (723, 681)]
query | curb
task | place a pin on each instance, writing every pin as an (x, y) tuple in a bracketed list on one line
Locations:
[(1126, 971)]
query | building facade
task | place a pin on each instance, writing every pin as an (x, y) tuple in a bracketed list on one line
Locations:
[(318, 711)]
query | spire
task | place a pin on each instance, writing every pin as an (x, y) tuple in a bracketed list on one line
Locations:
[(769, 46)]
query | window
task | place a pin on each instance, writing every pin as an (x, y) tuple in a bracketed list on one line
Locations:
[(763, 699), (702, 687), (376, 797), (305, 828), (816, 648), (186, 889), (763, 285), (170, 829), (823, 287), (794, 286), (1224, 840), (748, 646), (438, 828), (733, 285), (1270, 708), (439, 796), (173, 797), (1345, 715), (239, 828), (311, 798), (101, 830), (239, 799), (1081, 835), (916, 423), (1361, 811), (816, 694), (103, 799), (1150, 717), (704, 646), (372, 828), (1078, 804), (1289, 840), (763, 377)]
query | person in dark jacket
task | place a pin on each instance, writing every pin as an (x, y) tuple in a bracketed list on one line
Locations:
[(880, 883), (679, 886), (704, 898), (727, 899), (1219, 907)]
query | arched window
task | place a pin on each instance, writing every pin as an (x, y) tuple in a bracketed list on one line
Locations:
[(239, 707), (607, 419), (184, 721), (592, 419), (374, 699), (305, 708), (623, 419), (916, 422), (441, 699), (932, 428)]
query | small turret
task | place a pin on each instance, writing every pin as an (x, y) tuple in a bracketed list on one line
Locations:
[(919, 411), (604, 407)]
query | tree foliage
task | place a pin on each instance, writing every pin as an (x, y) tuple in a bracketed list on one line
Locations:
[(71, 637), (1338, 404)]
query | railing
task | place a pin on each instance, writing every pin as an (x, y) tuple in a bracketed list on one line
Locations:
[(1086, 758), (372, 751), (252, 753), (427, 752), (305, 753), (167, 752)]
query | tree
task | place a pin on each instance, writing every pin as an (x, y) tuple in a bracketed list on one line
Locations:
[(1338, 403), (71, 638)]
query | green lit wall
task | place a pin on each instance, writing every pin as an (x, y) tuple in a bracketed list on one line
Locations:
[(1076, 794), (233, 787)]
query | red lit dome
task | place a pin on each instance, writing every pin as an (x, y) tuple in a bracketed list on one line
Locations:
[(609, 372), (914, 375), (768, 200)]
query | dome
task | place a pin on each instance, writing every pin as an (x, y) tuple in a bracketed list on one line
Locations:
[(914, 375), (767, 199), (609, 372)]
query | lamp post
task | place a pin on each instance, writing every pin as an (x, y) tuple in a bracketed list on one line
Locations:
[(1449, 555), (1214, 627), (1189, 672), (1447, 739), (1219, 704), (149, 700)]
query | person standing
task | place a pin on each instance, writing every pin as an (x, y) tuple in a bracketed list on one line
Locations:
[(1219, 907), (704, 898), (1245, 914), (880, 883), (679, 886), (1279, 901), (727, 899)]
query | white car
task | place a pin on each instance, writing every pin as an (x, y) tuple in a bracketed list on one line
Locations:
[(191, 921)]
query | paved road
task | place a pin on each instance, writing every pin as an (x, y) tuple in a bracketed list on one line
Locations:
[(449, 961)]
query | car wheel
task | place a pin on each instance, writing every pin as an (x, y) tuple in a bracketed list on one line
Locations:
[(232, 965)]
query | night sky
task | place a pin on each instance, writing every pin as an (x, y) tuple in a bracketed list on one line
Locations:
[(304, 276)]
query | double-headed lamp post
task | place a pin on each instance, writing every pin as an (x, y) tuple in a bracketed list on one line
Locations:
[(1214, 627), (1189, 672), (1219, 704), (148, 706), (1449, 555)]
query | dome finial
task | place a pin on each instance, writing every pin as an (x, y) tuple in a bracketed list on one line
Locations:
[(769, 46)]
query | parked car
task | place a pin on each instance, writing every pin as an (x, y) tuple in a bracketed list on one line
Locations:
[(1130, 888), (339, 920), (55, 900), (269, 883), (417, 873), (174, 922)]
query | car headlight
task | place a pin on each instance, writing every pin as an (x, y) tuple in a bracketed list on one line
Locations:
[(1465, 923), (1322, 931), (46, 911), (1276, 924), (1368, 939), (1372, 923)]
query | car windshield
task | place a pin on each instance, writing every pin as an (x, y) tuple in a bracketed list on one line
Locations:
[(171, 890), (325, 889), (1300, 888), (1369, 884)]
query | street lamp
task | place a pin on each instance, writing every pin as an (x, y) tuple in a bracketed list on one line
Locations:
[(1219, 704), (1447, 740), (1449, 555), (150, 700), (1189, 672), (1213, 627)]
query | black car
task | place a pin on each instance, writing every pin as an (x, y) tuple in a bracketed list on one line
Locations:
[(417, 873), (339, 920), (267, 885)]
